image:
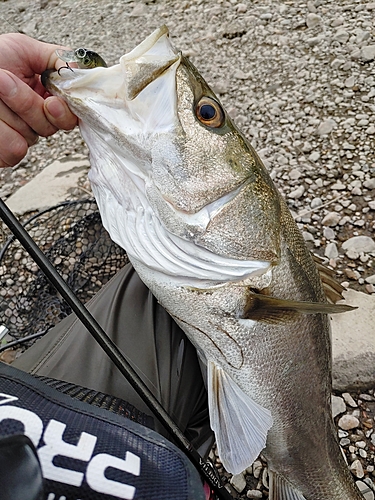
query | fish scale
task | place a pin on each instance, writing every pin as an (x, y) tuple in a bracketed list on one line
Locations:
[(182, 190)]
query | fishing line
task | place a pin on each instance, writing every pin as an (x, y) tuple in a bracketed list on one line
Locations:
[(111, 350)]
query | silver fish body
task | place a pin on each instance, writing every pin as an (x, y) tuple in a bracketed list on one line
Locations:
[(185, 194)]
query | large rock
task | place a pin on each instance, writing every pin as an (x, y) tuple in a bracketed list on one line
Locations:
[(51, 187), (353, 339)]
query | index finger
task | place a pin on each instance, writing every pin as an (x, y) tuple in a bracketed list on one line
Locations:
[(26, 56)]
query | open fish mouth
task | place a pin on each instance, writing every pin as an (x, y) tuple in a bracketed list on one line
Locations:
[(118, 86)]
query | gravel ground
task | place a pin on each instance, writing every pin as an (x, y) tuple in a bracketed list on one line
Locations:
[(299, 79)]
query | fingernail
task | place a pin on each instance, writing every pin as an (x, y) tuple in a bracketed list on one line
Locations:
[(8, 87), (55, 107)]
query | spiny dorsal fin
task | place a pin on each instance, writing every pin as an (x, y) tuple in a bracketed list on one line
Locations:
[(331, 286), (273, 310)]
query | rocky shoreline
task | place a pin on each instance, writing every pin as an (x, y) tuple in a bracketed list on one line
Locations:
[(299, 79)]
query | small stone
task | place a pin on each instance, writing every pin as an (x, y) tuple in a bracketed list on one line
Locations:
[(351, 273), (254, 494), (370, 279), (238, 482), (338, 21), (361, 444), (307, 236), (348, 422), (368, 53), (240, 75), (297, 193), (313, 20), (365, 490), (359, 244), (316, 202), (369, 184), (349, 400), (349, 82), (139, 10), (257, 469), (314, 156), (352, 254), (344, 441), (331, 251), (241, 8), (295, 174), (370, 130), (341, 36), (331, 219), (357, 469), (326, 127), (339, 186), (329, 233), (221, 87), (338, 406)]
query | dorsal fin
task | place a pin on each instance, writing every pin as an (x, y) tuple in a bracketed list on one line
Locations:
[(332, 288)]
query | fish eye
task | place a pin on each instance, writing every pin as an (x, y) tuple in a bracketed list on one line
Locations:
[(209, 112), (80, 53)]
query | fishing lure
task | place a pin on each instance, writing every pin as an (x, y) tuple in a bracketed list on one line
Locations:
[(85, 59)]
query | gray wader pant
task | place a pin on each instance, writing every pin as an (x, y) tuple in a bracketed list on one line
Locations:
[(150, 340)]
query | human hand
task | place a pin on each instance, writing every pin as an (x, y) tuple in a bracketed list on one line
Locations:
[(27, 111)]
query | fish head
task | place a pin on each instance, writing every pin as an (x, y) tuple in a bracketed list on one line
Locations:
[(166, 158)]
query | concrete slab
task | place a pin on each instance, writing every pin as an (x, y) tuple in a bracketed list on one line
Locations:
[(51, 186), (353, 343)]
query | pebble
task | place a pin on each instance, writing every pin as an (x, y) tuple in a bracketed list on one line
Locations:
[(349, 400), (313, 20), (326, 127), (359, 244), (331, 251), (369, 184), (257, 468), (238, 482), (366, 491), (338, 406), (254, 494), (357, 469), (329, 233), (297, 193), (331, 219), (368, 53), (348, 422)]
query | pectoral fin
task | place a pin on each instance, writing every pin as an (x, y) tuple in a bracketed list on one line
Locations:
[(240, 424), (281, 489), (273, 310)]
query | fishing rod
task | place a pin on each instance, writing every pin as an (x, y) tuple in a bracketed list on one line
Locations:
[(111, 350)]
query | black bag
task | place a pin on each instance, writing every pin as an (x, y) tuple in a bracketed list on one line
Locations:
[(89, 453)]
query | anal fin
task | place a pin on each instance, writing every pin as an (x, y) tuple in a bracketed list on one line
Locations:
[(240, 424), (280, 489)]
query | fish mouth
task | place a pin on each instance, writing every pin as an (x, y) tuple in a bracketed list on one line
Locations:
[(138, 68)]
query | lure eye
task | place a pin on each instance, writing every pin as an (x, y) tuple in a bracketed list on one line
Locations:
[(80, 53), (209, 112)]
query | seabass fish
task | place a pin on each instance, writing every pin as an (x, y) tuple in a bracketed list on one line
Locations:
[(181, 189)]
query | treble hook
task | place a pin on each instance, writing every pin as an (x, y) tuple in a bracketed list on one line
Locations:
[(64, 67)]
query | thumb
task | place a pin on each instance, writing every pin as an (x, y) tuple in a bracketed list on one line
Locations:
[(58, 113)]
